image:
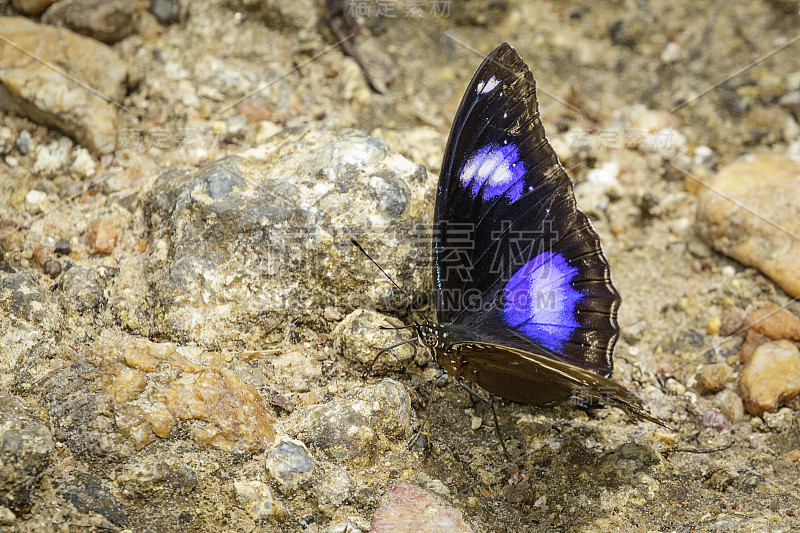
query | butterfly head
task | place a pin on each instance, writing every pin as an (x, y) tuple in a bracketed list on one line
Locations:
[(430, 335)]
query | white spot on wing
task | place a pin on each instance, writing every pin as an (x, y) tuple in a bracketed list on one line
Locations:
[(487, 86)]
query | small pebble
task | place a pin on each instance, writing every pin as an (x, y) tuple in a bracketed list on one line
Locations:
[(732, 321), (667, 437), (266, 130), (771, 377), (712, 378), (730, 404), (289, 463), (42, 254), (6, 140), (83, 165), (774, 322), (62, 247), (37, 201), (102, 237), (24, 142), (714, 325), (476, 422), (714, 419), (52, 268), (634, 333), (780, 422), (333, 314), (752, 340), (704, 156), (7, 517)]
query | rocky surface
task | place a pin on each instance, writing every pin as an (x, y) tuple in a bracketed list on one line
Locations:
[(185, 326), (77, 89), (31, 325), (26, 451)]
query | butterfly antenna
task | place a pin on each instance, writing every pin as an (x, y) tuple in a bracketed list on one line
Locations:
[(398, 287)]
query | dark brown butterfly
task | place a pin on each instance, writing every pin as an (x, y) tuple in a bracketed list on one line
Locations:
[(525, 305), (524, 300)]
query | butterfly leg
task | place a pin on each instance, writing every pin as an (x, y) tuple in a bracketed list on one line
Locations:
[(420, 442), (490, 403)]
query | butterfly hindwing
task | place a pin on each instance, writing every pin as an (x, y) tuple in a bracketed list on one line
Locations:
[(537, 379), (514, 258)]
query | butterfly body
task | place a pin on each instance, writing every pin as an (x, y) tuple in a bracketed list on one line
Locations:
[(524, 301)]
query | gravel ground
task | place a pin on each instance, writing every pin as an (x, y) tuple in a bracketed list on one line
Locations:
[(185, 327)]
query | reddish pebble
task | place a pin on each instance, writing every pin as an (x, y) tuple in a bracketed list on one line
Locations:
[(102, 237), (752, 341), (410, 509), (42, 254), (252, 111), (775, 322)]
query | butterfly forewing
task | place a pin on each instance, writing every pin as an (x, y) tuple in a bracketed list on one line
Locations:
[(515, 260)]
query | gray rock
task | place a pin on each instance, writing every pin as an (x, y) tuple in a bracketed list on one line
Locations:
[(82, 411), (243, 246), (289, 463), (82, 290), (24, 142), (30, 328), (361, 425), (333, 489), (88, 494), (358, 338), (150, 478), (166, 11), (26, 449), (626, 463), (105, 20)]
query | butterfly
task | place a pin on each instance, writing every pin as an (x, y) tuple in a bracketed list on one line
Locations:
[(525, 306), (524, 301)]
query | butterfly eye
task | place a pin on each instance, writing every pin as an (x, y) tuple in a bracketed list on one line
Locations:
[(430, 339)]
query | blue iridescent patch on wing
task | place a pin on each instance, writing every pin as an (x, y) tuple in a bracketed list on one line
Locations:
[(540, 302), (494, 170)]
